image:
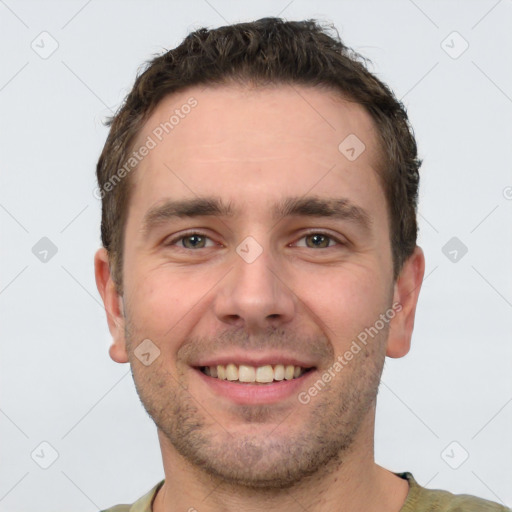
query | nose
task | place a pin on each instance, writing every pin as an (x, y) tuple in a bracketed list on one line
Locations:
[(255, 295)]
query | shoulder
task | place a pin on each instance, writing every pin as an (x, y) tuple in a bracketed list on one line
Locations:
[(467, 503), (143, 504), (421, 499)]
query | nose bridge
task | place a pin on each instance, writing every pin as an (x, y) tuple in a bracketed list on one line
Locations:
[(254, 295)]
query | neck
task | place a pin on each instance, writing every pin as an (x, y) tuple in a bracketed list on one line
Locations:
[(353, 484)]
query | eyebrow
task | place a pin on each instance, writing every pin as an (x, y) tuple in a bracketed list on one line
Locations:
[(342, 209), (184, 208)]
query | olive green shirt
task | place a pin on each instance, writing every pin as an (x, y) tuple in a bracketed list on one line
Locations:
[(418, 499)]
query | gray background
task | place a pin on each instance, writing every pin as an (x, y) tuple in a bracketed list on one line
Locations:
[(58, 383)]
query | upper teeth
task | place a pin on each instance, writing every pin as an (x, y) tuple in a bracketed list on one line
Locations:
[(246, 373)]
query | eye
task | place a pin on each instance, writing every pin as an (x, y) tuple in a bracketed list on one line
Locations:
[(319, 240), (191, 240)]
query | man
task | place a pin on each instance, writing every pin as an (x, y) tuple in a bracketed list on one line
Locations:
[(259, 190)]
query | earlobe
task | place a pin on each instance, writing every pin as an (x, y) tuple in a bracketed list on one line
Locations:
[(113, 304), (117, 352), (406, 293)]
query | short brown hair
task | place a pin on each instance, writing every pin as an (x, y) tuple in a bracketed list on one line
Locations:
[(266, 51)]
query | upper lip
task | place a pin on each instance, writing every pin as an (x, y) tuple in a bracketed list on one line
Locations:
[(254, 359)]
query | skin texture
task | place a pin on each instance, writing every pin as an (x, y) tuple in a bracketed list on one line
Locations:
[(252, 148)]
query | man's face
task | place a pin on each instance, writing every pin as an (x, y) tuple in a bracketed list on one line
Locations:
[(277, 280)]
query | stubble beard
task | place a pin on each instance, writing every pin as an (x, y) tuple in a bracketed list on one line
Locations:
[(271, 458)]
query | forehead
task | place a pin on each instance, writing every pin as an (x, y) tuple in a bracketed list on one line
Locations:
[(262, 140)]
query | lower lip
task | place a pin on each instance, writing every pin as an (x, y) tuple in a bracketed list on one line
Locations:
[(247, 394)]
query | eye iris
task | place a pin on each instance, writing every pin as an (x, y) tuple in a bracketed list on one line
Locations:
[(318, 240), (196, 241)]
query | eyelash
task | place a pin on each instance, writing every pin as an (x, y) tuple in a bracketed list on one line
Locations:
[(309, 233), (186, 235)]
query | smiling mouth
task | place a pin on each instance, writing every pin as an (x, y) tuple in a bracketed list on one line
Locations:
[(245, 374)]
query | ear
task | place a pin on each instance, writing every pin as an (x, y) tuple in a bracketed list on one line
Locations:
[(406, 293), (113, 306)]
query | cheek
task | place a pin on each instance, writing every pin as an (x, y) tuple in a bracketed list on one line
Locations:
[(156, 305), (347, 300), (165, 303)]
